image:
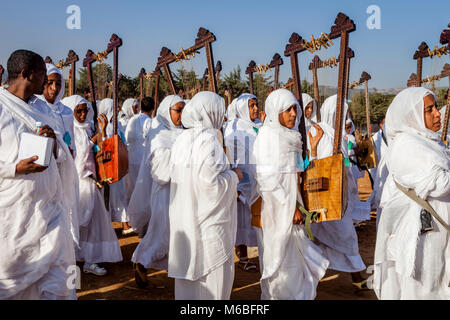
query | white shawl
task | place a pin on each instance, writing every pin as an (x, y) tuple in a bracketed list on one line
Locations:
[(162, 135), (416, 159), (202, 193), (278, 155)]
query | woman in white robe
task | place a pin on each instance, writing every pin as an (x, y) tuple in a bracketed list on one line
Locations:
[(36, 247), (202, 208), (98, 240), (380, 172), (240, 135), (62, 123), (134, 135), (117, 196), (338, 239), (153, 250), (293, 264), (410, 264), (361, 209)]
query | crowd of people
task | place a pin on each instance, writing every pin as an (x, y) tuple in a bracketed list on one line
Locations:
[(195, 169)]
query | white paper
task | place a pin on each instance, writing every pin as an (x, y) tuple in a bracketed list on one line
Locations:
[(34, 145)]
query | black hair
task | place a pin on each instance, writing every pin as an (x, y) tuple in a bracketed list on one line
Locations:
[(22, 60), (147, 104)]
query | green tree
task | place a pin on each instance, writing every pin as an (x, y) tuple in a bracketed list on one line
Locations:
[(378, 103), (233, 81), (185, 79)]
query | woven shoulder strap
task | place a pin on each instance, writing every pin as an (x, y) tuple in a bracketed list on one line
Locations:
[(423, 203)]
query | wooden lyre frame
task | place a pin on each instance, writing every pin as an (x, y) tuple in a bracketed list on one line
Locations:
[(324, 182), (112, 159), (143, 75), (71, 60), (2, 71), (206, 76), (444, 39), (423, 52), (317, 63), (109, 86), (203, 40), (367, 156), (276, 62)]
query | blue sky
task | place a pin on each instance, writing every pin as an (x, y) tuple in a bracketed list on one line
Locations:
[(245, 30)]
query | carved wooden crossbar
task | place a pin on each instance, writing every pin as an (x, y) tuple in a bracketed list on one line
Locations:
[(204, 39), (276, 62), (444, 39), (114, 43)]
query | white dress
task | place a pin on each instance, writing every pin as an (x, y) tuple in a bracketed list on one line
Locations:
[(293, 264), (202, 208), (409, 264)]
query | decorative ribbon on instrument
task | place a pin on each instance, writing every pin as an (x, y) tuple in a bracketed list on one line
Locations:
[(332, 62), (431, 79), (149, 75), (185, 54), (317, 44), (60, 64), (262, 68), (310, 217), (354, 84), (438, 51), (100, 56)]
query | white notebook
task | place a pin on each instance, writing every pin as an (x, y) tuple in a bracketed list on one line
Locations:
[(34, 145)]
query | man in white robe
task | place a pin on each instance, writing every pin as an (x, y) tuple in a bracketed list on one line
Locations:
[(153, 250), (36, 247), (412, 261), (202, 208), (293, 264)]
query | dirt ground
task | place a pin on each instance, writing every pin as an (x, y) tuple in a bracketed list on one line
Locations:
[(119, 283)]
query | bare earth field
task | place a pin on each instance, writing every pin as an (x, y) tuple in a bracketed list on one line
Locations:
[(119, 283)]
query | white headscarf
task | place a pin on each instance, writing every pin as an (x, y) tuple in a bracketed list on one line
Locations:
[(241, 105), (76, 100), (406, 114), (231, 110), (127, 107), (106, 106), (205, 110), (283, 142), (167, 131), (162, 135), (51, 69), (313, 118)]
